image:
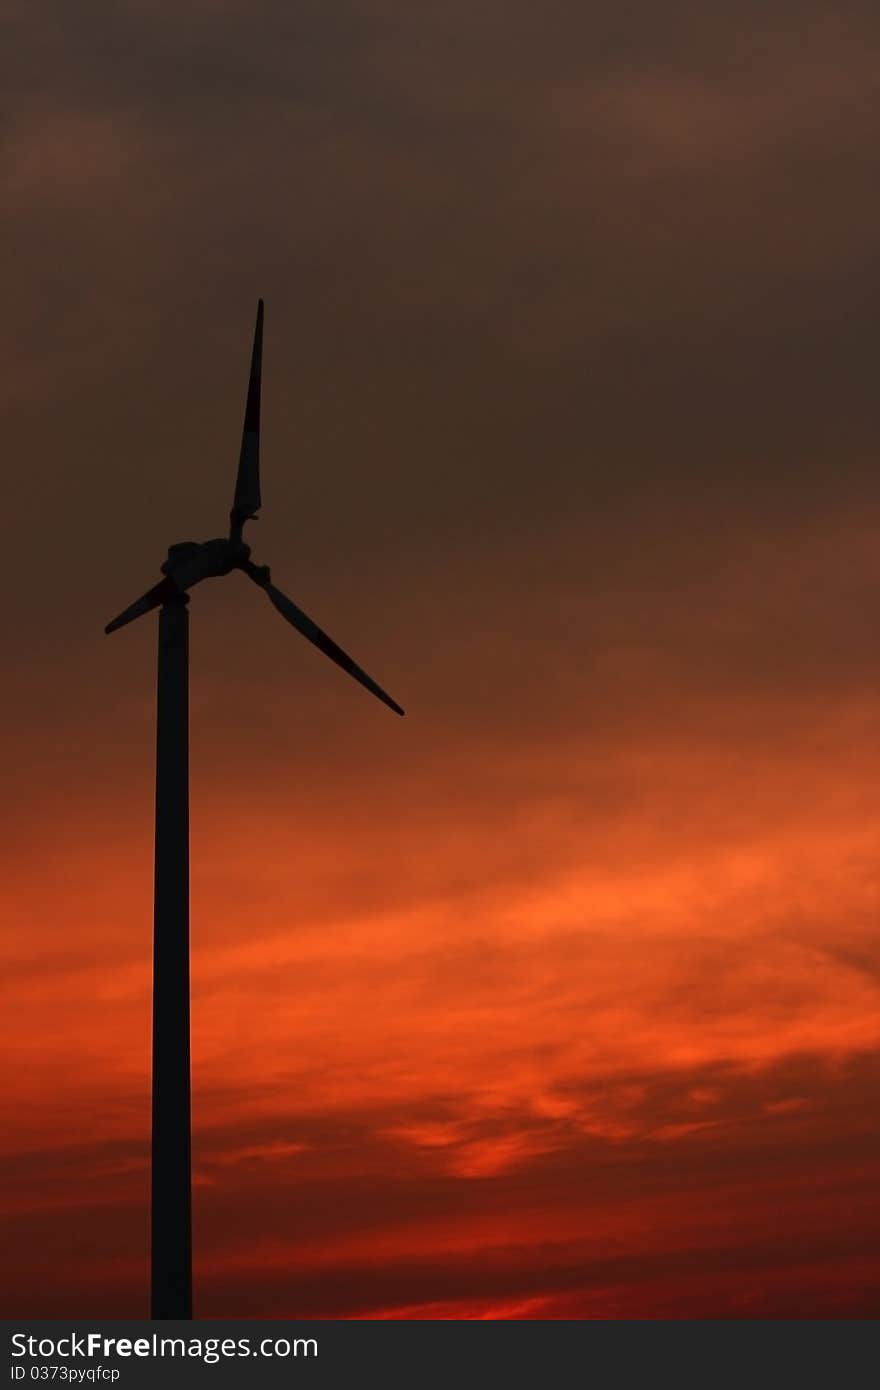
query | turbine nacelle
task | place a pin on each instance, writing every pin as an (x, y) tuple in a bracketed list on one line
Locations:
[(189, 562)]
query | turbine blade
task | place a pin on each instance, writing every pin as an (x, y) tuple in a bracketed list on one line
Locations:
[(247, 485), (165, 589), (303, 623)]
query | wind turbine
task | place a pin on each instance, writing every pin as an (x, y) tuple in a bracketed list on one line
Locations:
[(188, 563)]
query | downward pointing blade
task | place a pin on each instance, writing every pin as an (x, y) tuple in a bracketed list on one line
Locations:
[(165, 589), (247, 485), (303, 623)]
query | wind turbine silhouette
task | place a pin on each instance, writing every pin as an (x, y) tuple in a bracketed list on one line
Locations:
[(188, 564)]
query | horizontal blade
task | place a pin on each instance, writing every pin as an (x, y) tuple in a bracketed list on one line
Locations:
[(303, 623), (247, 485), (165, 589)]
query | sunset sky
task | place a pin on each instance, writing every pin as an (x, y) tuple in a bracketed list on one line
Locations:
[(559, 998)]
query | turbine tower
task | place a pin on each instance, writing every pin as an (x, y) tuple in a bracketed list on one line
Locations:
[(188, 563)]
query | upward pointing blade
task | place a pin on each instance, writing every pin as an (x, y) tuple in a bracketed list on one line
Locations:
[(247, 486), (303, 623)]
